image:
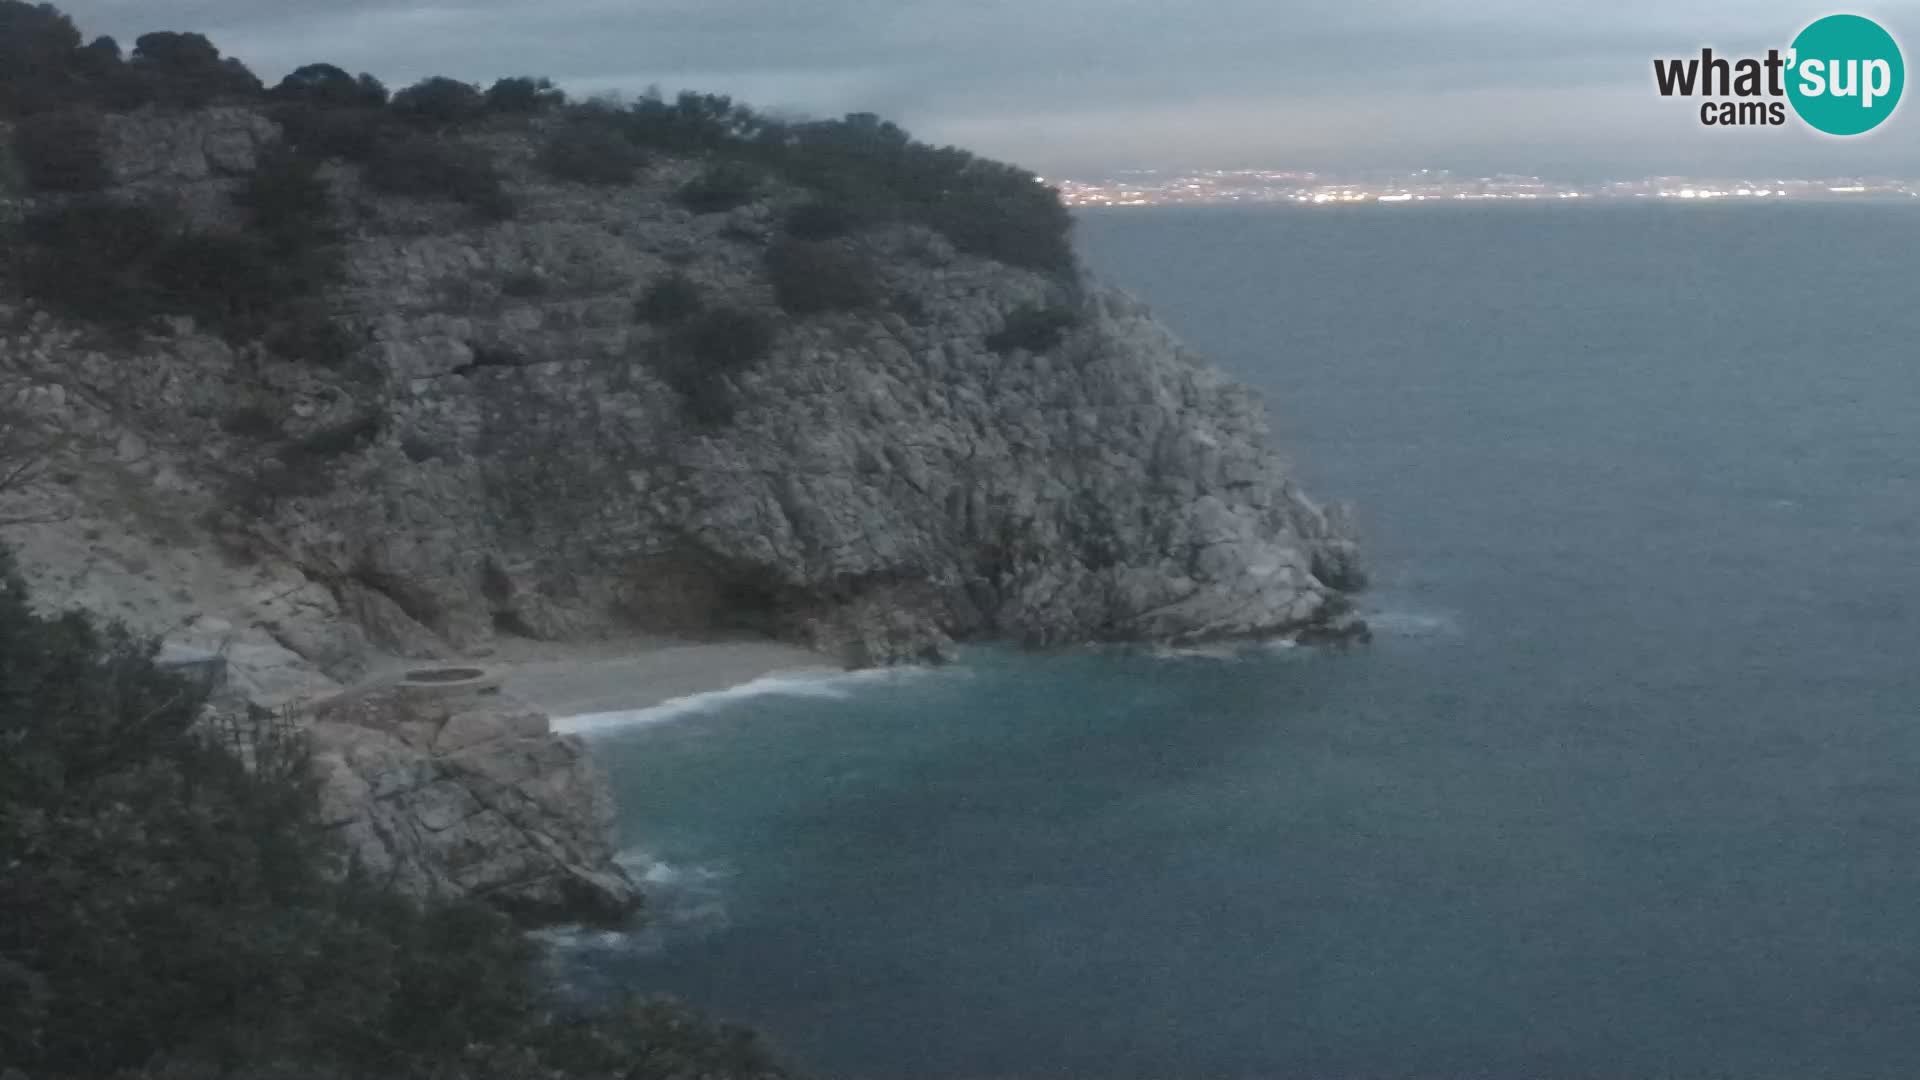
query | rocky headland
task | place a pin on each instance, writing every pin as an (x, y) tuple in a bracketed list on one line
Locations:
[(580, 407)]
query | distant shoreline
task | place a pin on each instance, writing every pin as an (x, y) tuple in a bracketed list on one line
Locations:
[(1862, 199)]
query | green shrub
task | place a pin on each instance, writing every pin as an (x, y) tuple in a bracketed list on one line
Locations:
[(440, 103), (826, 218), (810, 278), (427, 167), (98, 60), (109, 80), (323, 85), (524, 94), (669, 300), (709, 350), (1034, 327), (288, 203), (43, 66), (251, 422), (352, 134), (166, 912), (419, 449), (722, 187), (267, 279), (145, 865), (242, 284), (304, 467), (864, 170), (523, 284), (984, 207), (327, 87), (693, 123), (336, 440), (373, 92), (226, 280), (37, 44), (186, 70), (13, 180), (908, 305), (308, 334), (1013, 228), (589, 152), (706, 395), (728, 339), (121, 265), (62, 151), (92, 260), (492, 354)]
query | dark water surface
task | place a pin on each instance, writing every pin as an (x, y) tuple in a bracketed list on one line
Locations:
[(1628, 786)]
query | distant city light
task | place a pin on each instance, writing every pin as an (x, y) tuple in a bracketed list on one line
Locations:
[(1257, 186)]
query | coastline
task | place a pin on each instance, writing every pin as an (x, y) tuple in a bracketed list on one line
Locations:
[(464, 777), (634, 674)]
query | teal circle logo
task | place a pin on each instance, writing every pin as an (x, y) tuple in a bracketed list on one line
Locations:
[(1845, 75)]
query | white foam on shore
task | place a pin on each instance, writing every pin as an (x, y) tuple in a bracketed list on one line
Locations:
[(1394, 624), (683, 902), (825, 684), (1224, 651), (1411, 624)]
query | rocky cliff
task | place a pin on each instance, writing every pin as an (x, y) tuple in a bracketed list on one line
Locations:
[(503, 448), (887, 481), (460, 790)]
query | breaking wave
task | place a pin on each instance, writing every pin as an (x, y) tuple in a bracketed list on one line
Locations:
[(1411, 624), (683, 903), (830, 685)]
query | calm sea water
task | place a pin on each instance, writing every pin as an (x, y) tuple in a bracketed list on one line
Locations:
[(1628, 786)]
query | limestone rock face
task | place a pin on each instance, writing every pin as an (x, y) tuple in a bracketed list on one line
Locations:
[(469, 794), (187, 159), (501, 449)]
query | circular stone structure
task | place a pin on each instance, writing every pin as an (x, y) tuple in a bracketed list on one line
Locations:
[(447, 681), (440, 676)]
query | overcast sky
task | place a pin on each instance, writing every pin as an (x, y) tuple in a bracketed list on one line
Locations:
[(1083, 87)]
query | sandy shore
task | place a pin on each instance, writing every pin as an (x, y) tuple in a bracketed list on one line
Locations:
[(639, 673)]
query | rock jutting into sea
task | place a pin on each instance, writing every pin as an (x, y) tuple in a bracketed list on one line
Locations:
[(514, 436)]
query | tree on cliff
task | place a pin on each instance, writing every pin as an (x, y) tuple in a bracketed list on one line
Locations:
[(37, 44), (188, 71), (524, 94), (330, 87), (167, 911), (440, 103), (27, 452)]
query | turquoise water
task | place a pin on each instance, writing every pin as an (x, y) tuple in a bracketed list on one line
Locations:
[(1628, 785)]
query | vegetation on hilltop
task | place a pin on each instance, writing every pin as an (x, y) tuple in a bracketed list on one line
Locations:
[(167, 912), (869, 169), (1035, 328), (121, 264), (813, 276), (44, 67), (669, 300), (90, 252)]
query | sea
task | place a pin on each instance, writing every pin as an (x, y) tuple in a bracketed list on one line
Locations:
[(1627, 784)]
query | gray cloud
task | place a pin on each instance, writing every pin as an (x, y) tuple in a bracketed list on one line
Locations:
[(1082, 85)]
